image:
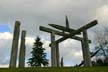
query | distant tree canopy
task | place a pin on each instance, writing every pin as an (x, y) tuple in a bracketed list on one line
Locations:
[(101, 42), (38, 55)]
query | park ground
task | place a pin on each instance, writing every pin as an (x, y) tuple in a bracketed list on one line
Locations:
[(56, 69)]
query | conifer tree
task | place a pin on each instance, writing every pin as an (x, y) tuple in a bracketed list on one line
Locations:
[(38, 55)]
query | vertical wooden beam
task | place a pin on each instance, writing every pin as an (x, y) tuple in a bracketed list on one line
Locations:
[(85, 49), (22, 50), (57, 55), (62, 62), (14, 50), (83, 53), (53, 50)]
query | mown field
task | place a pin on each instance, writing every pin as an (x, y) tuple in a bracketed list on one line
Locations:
[(63, 69)]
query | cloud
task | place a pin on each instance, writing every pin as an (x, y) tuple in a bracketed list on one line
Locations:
[(33, 13), (102, 15), (70, 50), (4, 66), (5, 45)]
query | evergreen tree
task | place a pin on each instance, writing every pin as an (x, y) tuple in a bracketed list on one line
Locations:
[(38, 55)]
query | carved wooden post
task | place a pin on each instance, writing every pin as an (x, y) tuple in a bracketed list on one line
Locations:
[(22, 50), (53, 50), (57, 55), (85, 49), (14, 50)]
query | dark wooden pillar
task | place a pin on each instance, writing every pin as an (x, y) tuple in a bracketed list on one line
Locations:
[(85, 50), (62, 62), (53, 50), (14, 50), (22, 50)]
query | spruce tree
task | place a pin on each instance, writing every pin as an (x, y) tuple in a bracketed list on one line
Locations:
[(38, 55)]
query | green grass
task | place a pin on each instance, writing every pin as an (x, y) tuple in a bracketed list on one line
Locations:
[(62, 69)]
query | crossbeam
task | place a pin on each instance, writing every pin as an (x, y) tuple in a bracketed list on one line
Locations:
[(89, 25), (60, 33), (62, 28)]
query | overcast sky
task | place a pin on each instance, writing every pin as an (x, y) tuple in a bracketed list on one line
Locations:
[(35, 13)]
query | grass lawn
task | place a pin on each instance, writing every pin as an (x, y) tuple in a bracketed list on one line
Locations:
[(57, 69)]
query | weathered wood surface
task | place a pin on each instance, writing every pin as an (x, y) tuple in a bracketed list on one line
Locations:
[(57, 55), (85, 50), (53, 51), (92, 55), (89, 25), (64, 29), (60, 33), (22, 50), (13, 58), (62, 62), (67, 22), (71, 34)]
